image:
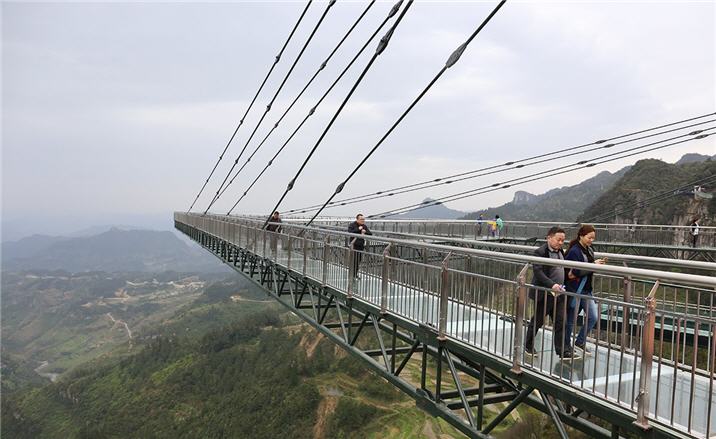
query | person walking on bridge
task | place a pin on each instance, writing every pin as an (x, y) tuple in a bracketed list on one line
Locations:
[(492, 228), (357, 244), (480, 221), (549, 300), (695, 232), (580, 282), (499, 224), (274, 223), (274, 228)]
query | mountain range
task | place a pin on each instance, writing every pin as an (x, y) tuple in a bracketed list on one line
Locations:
[(560, 204), (603, 192)]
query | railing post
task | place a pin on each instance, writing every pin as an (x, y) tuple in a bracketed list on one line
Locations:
[(423, 280), (351, 272), (385, 280), (520, 300), (288, 251), (324, 265), (647, 354), (305, 255), (263, 242), (274, 245), (444, 298), (626, 317)]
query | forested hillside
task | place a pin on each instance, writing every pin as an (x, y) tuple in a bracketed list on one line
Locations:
[(259, 375), (560, 204), (229, 365), (597, 199), (648, 178)]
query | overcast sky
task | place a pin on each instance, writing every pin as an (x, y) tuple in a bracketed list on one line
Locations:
[(116, 112)]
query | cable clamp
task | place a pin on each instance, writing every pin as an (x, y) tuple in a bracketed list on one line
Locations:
[(455, 56), (395, 8)]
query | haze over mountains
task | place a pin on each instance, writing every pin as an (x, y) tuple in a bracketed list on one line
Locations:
[(439, 211), (115, 250)]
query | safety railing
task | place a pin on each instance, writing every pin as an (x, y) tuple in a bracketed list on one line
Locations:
[(642, 354), (633, 260), (643, 234)]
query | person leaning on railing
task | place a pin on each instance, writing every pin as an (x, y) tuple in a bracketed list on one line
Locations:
[(549, 300)]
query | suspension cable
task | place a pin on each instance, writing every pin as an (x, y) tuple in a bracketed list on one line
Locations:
[(451, 61), (305, 87), (516, 167), (490, 170), (273, 99), (392, 12), (539, 176), (273, 65), (381, 47)]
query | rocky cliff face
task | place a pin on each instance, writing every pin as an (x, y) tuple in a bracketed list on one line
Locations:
[(696, 208), (523, 198)]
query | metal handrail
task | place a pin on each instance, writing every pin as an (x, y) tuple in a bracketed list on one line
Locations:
[(652, 260), (694, 279), (449, 221)]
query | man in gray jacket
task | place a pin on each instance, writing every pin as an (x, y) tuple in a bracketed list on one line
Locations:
[(551, 302)]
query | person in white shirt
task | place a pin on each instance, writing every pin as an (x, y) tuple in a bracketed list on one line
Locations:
[(695, 231)]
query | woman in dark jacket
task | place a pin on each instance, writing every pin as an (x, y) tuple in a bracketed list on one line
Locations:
[(580, 282)]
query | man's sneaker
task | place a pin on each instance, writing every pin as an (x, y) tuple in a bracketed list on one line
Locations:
[(569, 355), (531, 352), (586, 349)]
